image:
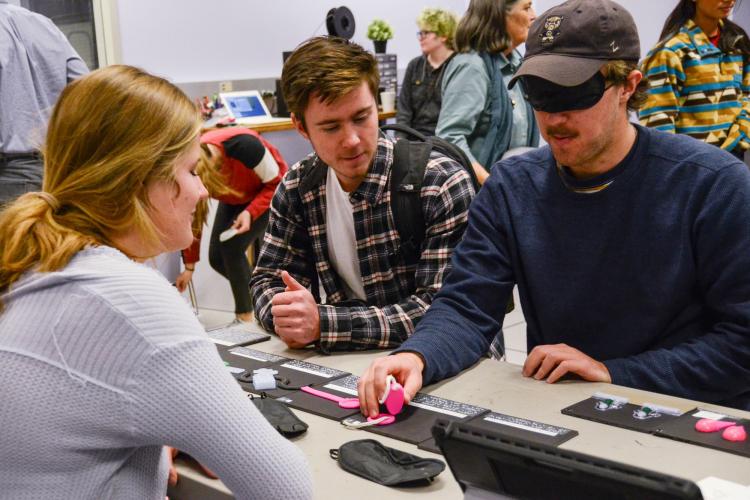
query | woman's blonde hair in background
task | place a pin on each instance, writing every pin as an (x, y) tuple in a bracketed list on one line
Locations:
[(439, 21), (217, 185), (112, 133)]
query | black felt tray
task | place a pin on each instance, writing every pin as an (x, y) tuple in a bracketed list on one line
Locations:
[(294, 374), (623, 416), (683, 429)]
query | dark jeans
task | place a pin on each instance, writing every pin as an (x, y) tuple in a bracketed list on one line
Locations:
[(229, 258), (19, 174)]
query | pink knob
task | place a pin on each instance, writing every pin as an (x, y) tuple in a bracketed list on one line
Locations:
[(710, 425), (735, 433)]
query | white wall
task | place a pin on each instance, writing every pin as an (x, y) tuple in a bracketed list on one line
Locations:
[(197, 40)]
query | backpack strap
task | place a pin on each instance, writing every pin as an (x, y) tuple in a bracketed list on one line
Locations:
[(440, 145), (407, 173)]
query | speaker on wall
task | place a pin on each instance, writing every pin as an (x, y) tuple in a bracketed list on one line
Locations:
[(340, 22)]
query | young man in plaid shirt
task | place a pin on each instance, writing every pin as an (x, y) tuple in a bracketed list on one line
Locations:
[(331, 230)]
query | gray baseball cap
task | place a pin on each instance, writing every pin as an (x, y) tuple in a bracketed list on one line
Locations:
[(570, 42)]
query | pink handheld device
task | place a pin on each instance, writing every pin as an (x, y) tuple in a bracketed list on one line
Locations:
[(393, 397)]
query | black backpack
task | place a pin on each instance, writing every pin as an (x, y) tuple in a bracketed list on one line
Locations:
[(410, 157)]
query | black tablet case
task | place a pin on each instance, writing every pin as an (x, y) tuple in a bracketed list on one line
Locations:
[(522, 428), (494, 464)]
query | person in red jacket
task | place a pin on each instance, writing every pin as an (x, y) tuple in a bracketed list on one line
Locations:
[(241, 170)]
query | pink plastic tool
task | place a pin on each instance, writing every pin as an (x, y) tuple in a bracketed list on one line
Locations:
[(382, 419), (393, 398), (711, 425), (736, 433), (348, 403)]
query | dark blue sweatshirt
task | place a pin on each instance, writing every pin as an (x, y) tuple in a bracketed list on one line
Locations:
[(650, 275)]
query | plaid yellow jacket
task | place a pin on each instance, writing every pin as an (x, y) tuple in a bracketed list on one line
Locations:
[(697, 90), (397, 294)]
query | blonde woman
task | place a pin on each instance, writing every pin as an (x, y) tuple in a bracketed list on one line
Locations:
[(419, 99), (102, 362)]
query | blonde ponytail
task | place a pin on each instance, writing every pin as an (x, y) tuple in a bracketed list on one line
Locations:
[(30, 235)]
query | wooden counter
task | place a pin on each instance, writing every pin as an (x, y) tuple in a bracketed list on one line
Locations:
[(280, 125)]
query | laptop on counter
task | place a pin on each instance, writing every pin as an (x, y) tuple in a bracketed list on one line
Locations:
[(247, 107)]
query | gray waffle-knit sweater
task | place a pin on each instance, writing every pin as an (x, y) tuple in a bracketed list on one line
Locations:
[(101, 364)]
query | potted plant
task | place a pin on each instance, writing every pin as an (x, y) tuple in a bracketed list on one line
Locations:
[(379, 32)]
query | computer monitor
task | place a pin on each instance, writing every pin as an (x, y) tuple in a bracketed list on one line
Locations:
[(491, 465)]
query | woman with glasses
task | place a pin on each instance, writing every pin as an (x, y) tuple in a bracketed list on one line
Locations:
[(419, 100), (478, 113), (699, 75)]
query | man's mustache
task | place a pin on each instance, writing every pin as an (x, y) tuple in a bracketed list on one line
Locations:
[(560, 131)]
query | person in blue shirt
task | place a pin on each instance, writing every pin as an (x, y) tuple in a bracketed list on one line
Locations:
[(629, 245)]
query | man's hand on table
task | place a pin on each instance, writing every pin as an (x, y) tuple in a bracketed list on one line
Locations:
[(406, 367), (554, 361)]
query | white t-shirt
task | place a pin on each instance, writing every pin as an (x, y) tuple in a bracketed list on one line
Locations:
[(342, 241)]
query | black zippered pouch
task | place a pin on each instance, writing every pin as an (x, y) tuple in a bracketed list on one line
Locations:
[(279, 416), (371, 460)]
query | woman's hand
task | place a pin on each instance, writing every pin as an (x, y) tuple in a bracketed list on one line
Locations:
[(242, 222), (183, 279), (172, 480)]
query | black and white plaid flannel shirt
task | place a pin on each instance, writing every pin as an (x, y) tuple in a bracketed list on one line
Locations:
[(397, 294)]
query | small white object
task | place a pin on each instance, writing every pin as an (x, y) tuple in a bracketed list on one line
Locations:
[(667, 410), (228, 234), (388, 100), (714, 488), (605, 396), (263, 379), (709, 414), (388, 381)]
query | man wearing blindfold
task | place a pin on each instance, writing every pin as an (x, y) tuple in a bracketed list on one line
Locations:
[(630, 247)]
